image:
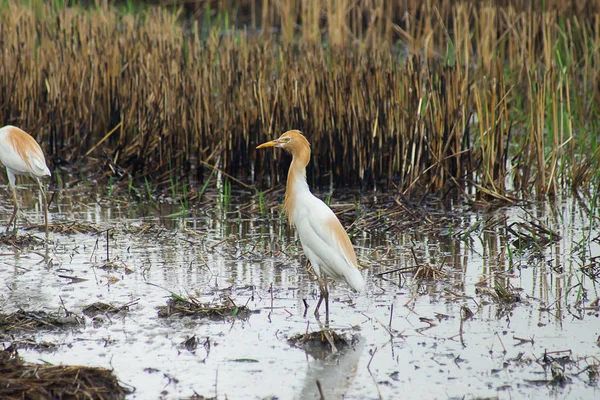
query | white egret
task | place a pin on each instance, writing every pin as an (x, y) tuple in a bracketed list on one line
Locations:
[(22, 155), (324, 241)]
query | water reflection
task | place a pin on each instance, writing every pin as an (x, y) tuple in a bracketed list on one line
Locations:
[(413, 335)]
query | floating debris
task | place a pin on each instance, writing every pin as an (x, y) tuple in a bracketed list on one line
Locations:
[(115, 265), (532, 234), (321, 343), (30, 344), (145, 229), (592, 270), (22, 380), (34, 320), (20, 241), (180, 306), (102, 308), (190, 343), (69, 228)]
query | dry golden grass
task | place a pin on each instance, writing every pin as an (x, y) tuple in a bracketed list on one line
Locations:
[(22, 380), (431, 96)]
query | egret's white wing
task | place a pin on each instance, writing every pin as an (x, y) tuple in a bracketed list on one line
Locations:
[(20, 153), (322, 234), (38, 164)]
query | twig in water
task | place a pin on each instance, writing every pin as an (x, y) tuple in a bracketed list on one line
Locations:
[(67, 312), (216, 382), (412, 250), (371, 373), (465, 314), (94, 250), (389, 331), (522, 341), (501, 344), (329, 338), (411, 299), (271, 310), (401, 270), (73, 279), (107, 244), (232, 302), (369, 364), (305, 306)]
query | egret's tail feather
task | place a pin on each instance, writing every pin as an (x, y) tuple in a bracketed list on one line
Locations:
[(355, 279)]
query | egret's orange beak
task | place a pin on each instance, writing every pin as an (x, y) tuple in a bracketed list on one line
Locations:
[(272, 143)]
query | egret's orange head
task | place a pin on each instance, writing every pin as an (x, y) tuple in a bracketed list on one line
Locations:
[(291, 141)]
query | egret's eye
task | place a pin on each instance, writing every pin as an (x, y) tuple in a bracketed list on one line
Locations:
[(286, 139)]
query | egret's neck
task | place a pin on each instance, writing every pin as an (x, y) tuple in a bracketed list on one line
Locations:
[(296, 180)]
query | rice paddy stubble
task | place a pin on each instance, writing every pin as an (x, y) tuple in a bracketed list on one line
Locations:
[(434, 97)]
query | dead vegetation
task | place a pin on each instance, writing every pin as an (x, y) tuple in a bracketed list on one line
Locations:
[(20, 241), (532, 234), (320, 344), (435, 96), (69, 228), (20, 380), (103, 308), (30, 343), (180, 307), (146, 229), (592, 269), (31, 321)]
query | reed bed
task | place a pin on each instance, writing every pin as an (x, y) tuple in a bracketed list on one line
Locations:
[(489, 100)]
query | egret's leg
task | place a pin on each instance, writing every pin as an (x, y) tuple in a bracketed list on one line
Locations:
[(11, 183), (326, 300), (45, 205), (309, 270), (321, 297), (324, 296)]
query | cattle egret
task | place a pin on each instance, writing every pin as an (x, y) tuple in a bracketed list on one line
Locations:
[(21, 155), (324, 241)]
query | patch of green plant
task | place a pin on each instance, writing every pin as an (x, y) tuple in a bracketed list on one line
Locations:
[(148, 190), (224, 196)]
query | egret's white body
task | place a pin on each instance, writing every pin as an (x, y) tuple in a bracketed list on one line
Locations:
[(22, 155), (324, 239)]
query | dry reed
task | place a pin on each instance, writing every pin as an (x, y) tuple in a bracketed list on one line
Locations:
[(432, 96)]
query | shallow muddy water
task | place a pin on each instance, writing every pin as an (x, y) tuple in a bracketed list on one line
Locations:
[(534, 330)]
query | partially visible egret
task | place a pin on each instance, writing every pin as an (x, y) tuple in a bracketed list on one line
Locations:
[(22, 155), (324, 241)]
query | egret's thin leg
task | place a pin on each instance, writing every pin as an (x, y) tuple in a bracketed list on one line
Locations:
[(326, 301), (11, 183), (45, 200), (322, 290)]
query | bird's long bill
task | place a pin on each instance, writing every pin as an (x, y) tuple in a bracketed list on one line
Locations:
[(272, 143)]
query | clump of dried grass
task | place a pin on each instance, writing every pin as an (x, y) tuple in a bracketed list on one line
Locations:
[(322, 343), (20, 241), (41, 381), (190, 306), (31, 321), (103, 308), (69, 228)]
